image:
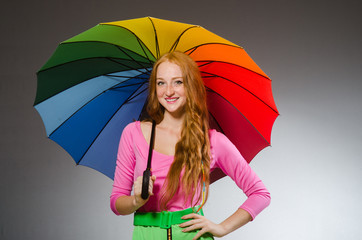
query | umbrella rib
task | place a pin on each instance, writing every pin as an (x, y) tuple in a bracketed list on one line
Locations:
[(125, 65), (90, 145), (89, 102), (156, 39), (214, 75), (133, 58), (78, 60), (149, 60), (133, 97), (210, 90), (142, 44), (120, 87), (174, 46), (194, 48), (205, 64), (217, 122), (138, 39), (125, 76), (94, 57)]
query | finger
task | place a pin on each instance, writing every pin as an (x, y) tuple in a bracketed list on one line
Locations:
[(191, 215), (139, 179), (193, 227), (138, 188), (150, 187), (199, 234), (138, 183), (188, 223)]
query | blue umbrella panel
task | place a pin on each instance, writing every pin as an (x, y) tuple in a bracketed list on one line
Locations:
[(87, 119)]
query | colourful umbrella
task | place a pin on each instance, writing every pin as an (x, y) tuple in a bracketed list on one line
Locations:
[(96, 83)]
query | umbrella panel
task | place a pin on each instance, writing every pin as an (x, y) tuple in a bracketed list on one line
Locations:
[(77, 72), (225, 53), (78, 133), (102, 155), (228, 120), (77, 51), (114, 35), (57, 109)]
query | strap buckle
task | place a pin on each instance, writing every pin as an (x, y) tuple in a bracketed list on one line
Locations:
[(165, 221)]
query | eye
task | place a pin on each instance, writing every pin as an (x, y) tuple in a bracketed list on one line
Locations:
[(160, 83), (179, 82)]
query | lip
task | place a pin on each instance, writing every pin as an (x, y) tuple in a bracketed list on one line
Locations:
[(171, 100)]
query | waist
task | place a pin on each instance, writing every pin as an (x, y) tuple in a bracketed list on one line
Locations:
[(163, 219)]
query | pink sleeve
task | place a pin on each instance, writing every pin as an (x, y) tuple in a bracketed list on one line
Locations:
[(231, 162), (123, 176)]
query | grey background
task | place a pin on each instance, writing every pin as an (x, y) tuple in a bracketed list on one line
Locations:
[(310, 49)]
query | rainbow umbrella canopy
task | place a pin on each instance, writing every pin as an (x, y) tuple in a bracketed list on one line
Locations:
[(96, 83)]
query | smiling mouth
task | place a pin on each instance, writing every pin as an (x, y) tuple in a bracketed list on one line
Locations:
[(171, 99)]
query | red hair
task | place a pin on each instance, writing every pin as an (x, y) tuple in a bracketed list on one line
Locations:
[(193, 149)]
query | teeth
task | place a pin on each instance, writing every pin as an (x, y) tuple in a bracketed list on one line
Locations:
[(171, 100)]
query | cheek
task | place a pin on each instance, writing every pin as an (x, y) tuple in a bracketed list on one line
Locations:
[(182, 91), (159, 92)]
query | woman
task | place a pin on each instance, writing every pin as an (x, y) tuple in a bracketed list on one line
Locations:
[(185, 153)]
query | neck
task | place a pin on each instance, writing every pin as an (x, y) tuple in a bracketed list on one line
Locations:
[(172, 121)]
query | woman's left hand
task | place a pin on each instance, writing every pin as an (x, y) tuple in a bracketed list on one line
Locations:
[(201, 223)]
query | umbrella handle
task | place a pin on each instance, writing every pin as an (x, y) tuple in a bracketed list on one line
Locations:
[(145, 183), (147, 172)]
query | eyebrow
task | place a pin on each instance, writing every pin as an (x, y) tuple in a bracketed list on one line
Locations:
[(174, 78)]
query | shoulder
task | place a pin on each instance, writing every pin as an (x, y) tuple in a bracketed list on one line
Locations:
[(220, 145), (217, 138), (131, 126), (225, 155), (138, 130), (132, 130)]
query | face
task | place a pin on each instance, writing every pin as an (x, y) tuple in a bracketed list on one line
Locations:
[(170, 88)]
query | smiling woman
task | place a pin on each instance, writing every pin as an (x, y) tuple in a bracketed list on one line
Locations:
[(170, 89), (186, 151)]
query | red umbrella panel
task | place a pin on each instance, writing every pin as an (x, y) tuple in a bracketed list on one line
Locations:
[(239, 95)]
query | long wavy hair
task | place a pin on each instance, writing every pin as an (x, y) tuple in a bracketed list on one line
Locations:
[(192, 151)]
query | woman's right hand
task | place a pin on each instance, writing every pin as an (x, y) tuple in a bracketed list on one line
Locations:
[(137, 186)]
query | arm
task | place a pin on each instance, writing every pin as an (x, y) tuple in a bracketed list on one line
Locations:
[(120, 200), (235, 221), (231, 162), (129, 204), (228, 159)]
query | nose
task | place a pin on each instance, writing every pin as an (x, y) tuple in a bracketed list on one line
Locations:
[(170, 91)]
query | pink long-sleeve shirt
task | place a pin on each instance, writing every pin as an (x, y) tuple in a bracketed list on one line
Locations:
[(132, 161)]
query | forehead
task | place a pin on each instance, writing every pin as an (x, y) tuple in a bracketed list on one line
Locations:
[(168, 69)]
